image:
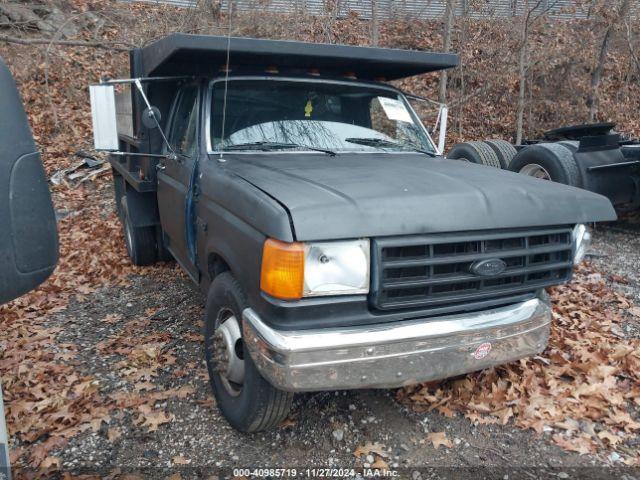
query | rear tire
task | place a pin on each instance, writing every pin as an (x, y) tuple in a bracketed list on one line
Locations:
[(140, 241), (252, 404), (555, 160), (164, 255), (118, 192), (475, 152), (631, 152), (504, 150), (570, 144)]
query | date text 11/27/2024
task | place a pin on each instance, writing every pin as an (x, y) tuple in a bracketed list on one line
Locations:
[(315, 472)]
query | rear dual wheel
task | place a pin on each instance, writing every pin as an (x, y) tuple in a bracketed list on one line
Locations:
[(145, 245), (475, 152), (140, 241), (492, 153), (503, 150)]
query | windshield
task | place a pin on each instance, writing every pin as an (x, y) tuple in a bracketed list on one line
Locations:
[(281, 114)]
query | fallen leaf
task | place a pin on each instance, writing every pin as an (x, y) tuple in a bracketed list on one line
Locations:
[(609, 437), (380, 464), (152, 419), (180, 460), (288, 423), (439, 438), (368, 448), (50, 462), (113, 434), (112, 318)]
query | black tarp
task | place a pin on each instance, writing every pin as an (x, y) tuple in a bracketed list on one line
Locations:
[(183, 54)]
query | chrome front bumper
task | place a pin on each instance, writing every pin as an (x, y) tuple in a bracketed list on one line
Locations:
[(395, 354)]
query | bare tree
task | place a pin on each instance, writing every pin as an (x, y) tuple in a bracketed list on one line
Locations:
[(449, 13), (375, 27), (596, 75), (533, 10), (632, 48), (461, 67)]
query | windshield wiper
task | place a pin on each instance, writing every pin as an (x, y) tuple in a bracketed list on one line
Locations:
[(383, 143), (265, 145)]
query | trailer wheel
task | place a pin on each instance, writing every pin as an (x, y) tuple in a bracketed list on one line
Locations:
[(474, 152), (504, 150), (548, 161), (572, 145), (248, 401), (140, 241), (631, 152)]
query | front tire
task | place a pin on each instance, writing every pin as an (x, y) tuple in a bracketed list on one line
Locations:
[(245, 398)]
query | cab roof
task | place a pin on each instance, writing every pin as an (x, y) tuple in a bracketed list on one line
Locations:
[(181, 54)]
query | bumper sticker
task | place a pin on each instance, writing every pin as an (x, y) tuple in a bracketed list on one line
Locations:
[(482, 351)]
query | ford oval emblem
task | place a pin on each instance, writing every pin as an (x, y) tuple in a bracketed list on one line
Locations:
[(488, 268)]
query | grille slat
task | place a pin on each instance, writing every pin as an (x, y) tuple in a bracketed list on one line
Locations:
[(431, 270), (469, 257), (465, 278)]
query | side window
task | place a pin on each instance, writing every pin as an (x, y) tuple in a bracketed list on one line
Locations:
[(182, 135)]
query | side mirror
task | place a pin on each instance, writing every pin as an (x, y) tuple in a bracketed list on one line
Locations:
[(28, 237), (103, 116), (111, 114), (151, 117)]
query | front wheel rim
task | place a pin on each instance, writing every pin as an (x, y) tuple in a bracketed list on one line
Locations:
[(535, 170), (228, 352)]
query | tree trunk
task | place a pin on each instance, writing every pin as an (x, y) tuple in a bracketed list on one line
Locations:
[(446, 46), (522, 74), (596, 75), (461, 70), (375, 33)]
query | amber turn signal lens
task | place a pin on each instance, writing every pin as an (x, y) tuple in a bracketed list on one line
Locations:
[(282, 274)]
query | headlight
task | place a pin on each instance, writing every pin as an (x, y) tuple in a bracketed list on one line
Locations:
[(336, 268), (581, 242), (295, 270)]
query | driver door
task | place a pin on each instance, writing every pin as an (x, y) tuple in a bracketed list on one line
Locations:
[(175, 178)]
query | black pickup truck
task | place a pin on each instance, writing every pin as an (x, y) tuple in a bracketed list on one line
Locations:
[(337, 247)]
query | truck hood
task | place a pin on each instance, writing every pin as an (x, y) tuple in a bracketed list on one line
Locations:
[(371, 195)]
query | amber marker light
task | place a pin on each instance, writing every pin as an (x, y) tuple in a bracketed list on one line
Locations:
[(282, 274)]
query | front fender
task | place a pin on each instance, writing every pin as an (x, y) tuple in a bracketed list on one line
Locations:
[(231, 239)]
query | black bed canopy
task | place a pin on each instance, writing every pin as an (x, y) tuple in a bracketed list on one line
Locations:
[(183, 54)]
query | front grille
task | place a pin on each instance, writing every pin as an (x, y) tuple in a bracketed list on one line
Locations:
[(436, 270)]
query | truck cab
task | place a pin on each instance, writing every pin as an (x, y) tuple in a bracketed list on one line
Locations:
[(337, 248)]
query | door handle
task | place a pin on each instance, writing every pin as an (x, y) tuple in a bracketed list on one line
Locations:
[(160, 166)]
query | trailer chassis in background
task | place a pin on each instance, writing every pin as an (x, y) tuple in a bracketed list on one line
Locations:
[(592, 157)]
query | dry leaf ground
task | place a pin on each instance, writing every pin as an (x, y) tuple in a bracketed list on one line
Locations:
[(584, 388), (102, 366)]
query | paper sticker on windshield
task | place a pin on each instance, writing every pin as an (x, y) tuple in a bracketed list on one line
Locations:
[(395, 109)]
